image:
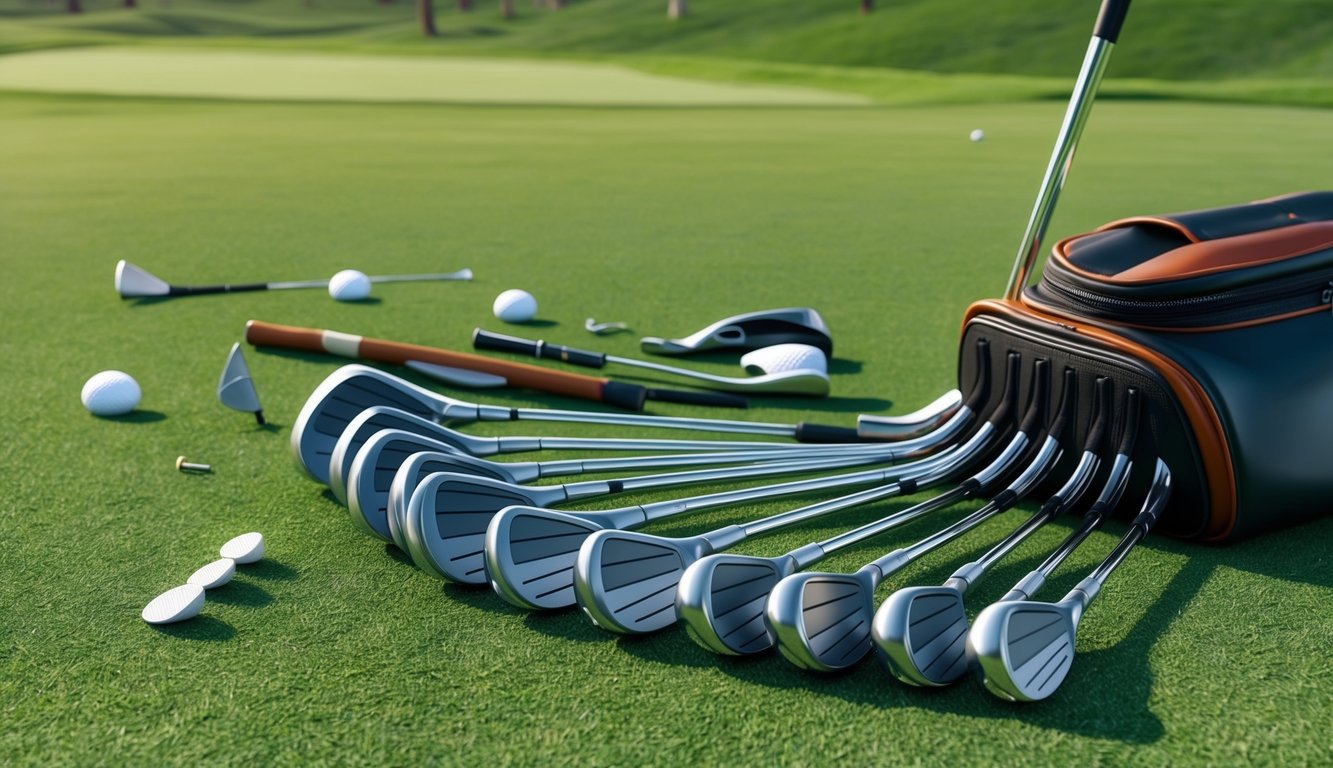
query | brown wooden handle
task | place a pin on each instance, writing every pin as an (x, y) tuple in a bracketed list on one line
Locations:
[(579, 385)]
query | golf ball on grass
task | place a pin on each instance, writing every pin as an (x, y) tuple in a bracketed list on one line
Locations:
[(111, 393), (515, 306), (178, 604), (977, 134), (244, 549), (213, 575), (349, 285)]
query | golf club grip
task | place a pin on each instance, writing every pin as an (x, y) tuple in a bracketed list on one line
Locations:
[(262, 334), (1110, 19), (715, 399), (200, 290), (499, 342)]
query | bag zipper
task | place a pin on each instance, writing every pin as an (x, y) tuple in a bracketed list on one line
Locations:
[(1269, 299)]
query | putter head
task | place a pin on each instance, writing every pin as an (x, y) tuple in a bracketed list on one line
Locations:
[(416, 467), (1022, 649), (752, 330), (821, 621), (922, 632), (530, 554), (626, 582), (447, 517), (132, 282), (434, 437), (721, 600), (372, 472), (338, 399), (236, 389)]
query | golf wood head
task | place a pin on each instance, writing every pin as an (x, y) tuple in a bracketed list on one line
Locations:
[(821, 621), (416, 467), (337, 400), (721, 600), (236, 390), (530, 554), (626, 581), (373, 420), (1022, 650), (447, 517), (922, 632), (372, 473)]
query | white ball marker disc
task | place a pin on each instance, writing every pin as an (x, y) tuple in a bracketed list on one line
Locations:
[(177, 604), (214, 575), (246, 548)]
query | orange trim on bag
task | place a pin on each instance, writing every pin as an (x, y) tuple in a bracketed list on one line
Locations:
[(1208, 432), (1238, 252), (1056, 311), (1160, 221)]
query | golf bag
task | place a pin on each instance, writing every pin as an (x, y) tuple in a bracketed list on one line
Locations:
[(1223, 320)]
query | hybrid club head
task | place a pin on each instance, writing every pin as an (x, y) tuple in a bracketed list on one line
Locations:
[(721, 601), (821, 621), (447, 517), (236, 389), (1024, 649), (530, 554), (341, 397), (922, 632), (752, 330), (418, 466), (375, 467), (626, 582)]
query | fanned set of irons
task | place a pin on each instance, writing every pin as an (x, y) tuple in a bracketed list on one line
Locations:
[(382, 446)]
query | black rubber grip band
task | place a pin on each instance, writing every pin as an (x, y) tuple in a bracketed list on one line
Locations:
[(1101, 406), (1111, 19), (615, 486), (1005, 499), (1131, 428), (821, 433), (1067, 398), (971, 486), (513, 414), (631, 397), (907, 487), (1038, 398), (981, 388), (715, 399)]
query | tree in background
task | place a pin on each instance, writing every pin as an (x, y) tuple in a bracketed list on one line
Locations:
[(676, 9), (867, 6), (464, 5), (73, 6), (426, 15), (130, 4), (507, 8)]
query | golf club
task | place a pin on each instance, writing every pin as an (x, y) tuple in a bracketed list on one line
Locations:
[(721, 598), (236, 389), (530, 553), (133, 282), (369, 490), (912, 424), (784, 373), (1023, 649), (619, 394), (921, 630), (821, 621), (375, 419), (627, 582), (353, 388), (752, 330), (1104, 35)]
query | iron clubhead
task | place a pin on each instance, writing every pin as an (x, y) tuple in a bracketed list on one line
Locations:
[(922, 632), (236, 389), (626, 582), (372, 473), (377, 418), (821, 621), (530, 554), (447, 517), (132, 282), (721, 601), (416, 467), (752, 330), (1023, 650)]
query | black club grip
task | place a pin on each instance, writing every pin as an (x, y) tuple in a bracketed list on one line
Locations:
[(1110, 19), (499, 342)]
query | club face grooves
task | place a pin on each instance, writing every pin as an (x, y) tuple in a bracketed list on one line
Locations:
[(626, 582), (447, 519), (530, 554), (721, 601), (1022, 650), (822, 620), (333, 404), (922, 632)]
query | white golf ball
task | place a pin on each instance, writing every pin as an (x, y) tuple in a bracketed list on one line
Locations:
[(977, 134), (349, 285), (111, 393), (515, 306), (183, 602), (244, 549)]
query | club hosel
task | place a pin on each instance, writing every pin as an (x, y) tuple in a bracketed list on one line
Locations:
[(623, 518), (1082, 595), (722, 538), (1025, 588), (889, 564), (454, 411), (807, 555), (964, 577)]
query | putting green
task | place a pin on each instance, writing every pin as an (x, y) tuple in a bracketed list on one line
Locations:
[(334, 77), (336, 650)]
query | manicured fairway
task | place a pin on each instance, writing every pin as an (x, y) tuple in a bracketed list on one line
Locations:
[(336, 650)]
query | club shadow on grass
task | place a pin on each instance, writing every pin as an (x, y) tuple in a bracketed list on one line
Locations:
[(566, 624), (201, 628), (137, 416), (478, 596)]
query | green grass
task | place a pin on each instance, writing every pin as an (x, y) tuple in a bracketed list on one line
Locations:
[(336, 651), (909, 51)]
